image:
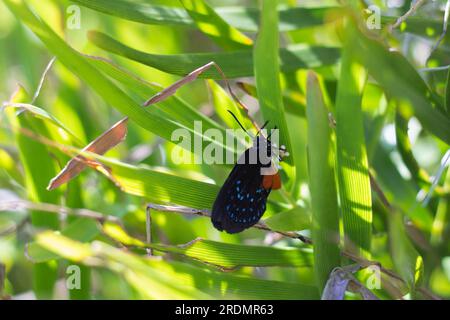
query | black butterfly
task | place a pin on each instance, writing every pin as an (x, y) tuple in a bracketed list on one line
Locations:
[(241, 201)]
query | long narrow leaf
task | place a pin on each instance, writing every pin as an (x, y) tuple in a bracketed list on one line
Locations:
[(148, 118), (211, 24), (234, 64), (325, 224), (402, 193), (36, 174), (405, 149), (162, 280), (246, 19), (173, 107), (294, 102), (352, 163), (224, 255), (407, 260), (386, 67), (294, 219), (267, 74)]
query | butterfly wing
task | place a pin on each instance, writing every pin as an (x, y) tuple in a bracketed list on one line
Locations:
[(241, 201)]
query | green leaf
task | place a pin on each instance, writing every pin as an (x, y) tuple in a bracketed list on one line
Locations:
[(234, 64), (291, 18), (246, 19), (82, 230), (148, 118), (223, 103), (322, 184), (295, 219), (404, 147), (9, 167), (352, 162), (223, 255), (229, 286), (267, 75), (407, 261), (53, 242), (158, 279), (235, 255), (172, 108), (37, 174), (421, 26), (75, 200), (386, 67), (399, 191), (442, 217), (293, 101), (211, 24), (44, 115), (156, 185), (151, 282), (161, 187)]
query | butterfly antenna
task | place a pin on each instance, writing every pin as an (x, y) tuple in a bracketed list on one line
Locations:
[(237, 120)]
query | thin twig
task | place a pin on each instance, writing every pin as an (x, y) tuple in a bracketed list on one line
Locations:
[(376, 187), (442, 68), (410, 12), (42, 80), (53, 208), (444, 27), (436, 178)]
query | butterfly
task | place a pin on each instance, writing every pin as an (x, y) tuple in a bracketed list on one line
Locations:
[(242, 200)]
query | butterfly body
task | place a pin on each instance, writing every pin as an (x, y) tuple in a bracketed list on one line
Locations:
[(242, 200)]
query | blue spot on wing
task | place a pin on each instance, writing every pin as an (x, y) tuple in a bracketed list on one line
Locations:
[(248, 205), (241, 201)]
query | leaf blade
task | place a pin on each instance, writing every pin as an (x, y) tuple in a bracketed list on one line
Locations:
[(352, 162), (234, 64), (325, 212), (211, 24), (267, 75)]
